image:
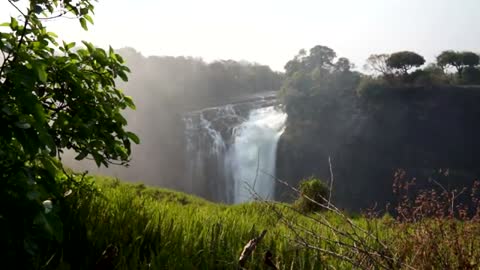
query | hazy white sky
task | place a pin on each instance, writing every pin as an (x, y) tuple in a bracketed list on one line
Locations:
[(273, 31)]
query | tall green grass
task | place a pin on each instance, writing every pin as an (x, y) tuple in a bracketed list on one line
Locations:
[(156, 228), (118, 225)]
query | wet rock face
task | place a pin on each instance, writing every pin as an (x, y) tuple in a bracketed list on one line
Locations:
[(420, 130)]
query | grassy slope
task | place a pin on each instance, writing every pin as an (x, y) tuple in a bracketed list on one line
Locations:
[(155, 228), (166, 229)]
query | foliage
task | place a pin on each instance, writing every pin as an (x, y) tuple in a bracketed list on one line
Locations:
[(431, 228), (470, 75), (319, 57), (458, 60), (378, 63), (116, 225), (311, 189), (52, 98), (437, 224), (465, 64), (405, 60), (470, 59), (449, 58), (314, 80), (431, 75), (163, 229), (371, 87)]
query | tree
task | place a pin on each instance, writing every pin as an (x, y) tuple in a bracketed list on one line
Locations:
[(378, 63), (404, 61), (314, 81), (470, 59), (321, 56), (458, 60), (343, 65), (52, 98), (449, 58)]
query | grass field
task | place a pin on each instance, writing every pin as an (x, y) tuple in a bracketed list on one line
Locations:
[(155, 228), (131, 226)]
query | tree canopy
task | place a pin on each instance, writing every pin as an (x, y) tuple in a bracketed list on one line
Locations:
[(404, 61), (316, 78), (378, 64), (458, 60), (52, 97)]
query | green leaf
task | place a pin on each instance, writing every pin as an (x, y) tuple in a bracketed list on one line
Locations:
[(38, 9), (123, 76), (111, 53), (4, 24), (129, 102), (81, 156), (98, 159), (40, 69), (133, 137), (89, 46), (22, 125), (52, 34), (70, 45), (88, 18), (13, 23), (49, 165), (83, 22)]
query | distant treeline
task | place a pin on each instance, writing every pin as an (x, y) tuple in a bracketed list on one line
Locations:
[(404, 69), (192, 83), (315, 78)]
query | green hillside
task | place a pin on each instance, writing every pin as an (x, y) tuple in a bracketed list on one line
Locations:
[(154, 228), (109, 224)]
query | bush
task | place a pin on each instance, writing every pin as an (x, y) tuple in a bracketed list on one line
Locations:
[(371, 87), (432, 75), (470, 75), (314, 189)]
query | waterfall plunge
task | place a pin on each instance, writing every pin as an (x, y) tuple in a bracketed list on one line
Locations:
[(232, 149), (253, 153)]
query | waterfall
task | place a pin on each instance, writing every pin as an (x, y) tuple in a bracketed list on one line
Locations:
[(232, 148)]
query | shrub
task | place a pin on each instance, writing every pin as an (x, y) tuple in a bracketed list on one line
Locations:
[(436, 228), (371, 87), (470, 75), (311, 189), (430, 76)]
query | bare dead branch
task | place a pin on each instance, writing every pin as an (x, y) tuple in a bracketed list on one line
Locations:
[(249, 248)]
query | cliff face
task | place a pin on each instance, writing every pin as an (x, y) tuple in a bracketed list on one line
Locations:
[(420, 130)]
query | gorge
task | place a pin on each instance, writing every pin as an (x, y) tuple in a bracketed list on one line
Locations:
[(209, 129)]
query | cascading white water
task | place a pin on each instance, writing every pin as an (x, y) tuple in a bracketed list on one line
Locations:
[(232, 149), (252, 155)]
